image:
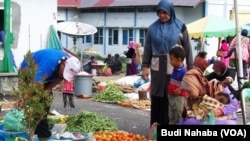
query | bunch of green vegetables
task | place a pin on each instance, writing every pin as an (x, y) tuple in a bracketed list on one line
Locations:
[(87, 122), (111, 94)]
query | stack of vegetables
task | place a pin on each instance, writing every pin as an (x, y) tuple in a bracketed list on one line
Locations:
[(102, 127), (110, 94), (85, 122)]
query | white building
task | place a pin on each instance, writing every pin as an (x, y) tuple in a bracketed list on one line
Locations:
[(121, 21), (30, 21)]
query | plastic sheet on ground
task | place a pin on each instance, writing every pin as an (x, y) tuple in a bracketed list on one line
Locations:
[(128, 80), (131, 96)]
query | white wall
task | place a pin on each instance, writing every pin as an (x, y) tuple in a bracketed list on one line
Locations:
[(36, 17)]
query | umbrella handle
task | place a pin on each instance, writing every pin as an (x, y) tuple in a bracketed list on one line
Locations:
[(71, 53)]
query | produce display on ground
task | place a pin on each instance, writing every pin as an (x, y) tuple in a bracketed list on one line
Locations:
[(118, 136), (84, 122), (125, 88), (110, 94), (136, 103)]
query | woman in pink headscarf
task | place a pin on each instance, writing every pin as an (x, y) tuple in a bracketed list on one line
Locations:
[(225, 48), (131, 68)]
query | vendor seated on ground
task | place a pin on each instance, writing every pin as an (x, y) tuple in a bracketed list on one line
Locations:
[(108, 60), (116, 65), (87, 66)]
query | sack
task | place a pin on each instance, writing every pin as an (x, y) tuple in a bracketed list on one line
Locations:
[(107, 72), (128, 61), (13, 121), (219, 53)]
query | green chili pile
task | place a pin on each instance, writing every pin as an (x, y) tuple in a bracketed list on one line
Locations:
[(111, 94), (87, 122)]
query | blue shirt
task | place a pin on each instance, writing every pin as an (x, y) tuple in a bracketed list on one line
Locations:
[(176, 78), (47, 61)]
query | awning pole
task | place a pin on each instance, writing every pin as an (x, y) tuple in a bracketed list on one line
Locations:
[(239, 54)]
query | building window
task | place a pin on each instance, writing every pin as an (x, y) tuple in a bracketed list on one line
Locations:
[(142, 37), (87, 39), (127, 35), (113, 36), (98, 36), (121, 10), (146, 9)]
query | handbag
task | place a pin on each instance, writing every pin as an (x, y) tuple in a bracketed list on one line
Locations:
[(219, 53), (128, 61), (13, 121)]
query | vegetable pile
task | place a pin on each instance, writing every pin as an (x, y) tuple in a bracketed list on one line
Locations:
[(86, 122), (110, 94), (118, 136)]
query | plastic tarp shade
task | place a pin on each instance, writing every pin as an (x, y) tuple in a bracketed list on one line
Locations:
[(213, 26), (53, 39)]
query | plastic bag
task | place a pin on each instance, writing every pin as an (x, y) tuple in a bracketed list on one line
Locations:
[(210, 120), (139, 82), (13, 121), (107, 72), (219, 53), (128, 61), (153, 132)]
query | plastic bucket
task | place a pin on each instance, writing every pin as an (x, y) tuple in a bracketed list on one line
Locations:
[(83, 85), (94, 71)]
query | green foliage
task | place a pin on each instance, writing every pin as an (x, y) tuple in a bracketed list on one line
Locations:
[(33, 99)]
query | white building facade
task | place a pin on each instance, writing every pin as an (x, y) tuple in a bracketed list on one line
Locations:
[(118, 25)]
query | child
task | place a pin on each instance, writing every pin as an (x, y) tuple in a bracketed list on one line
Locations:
[(200, 110), (176, 96), (68, 91)]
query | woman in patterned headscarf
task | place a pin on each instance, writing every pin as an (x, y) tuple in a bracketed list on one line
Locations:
[(197, 86), (245, 45)]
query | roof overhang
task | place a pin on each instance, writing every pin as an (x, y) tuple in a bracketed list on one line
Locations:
[(68, 3), (125, 3)]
